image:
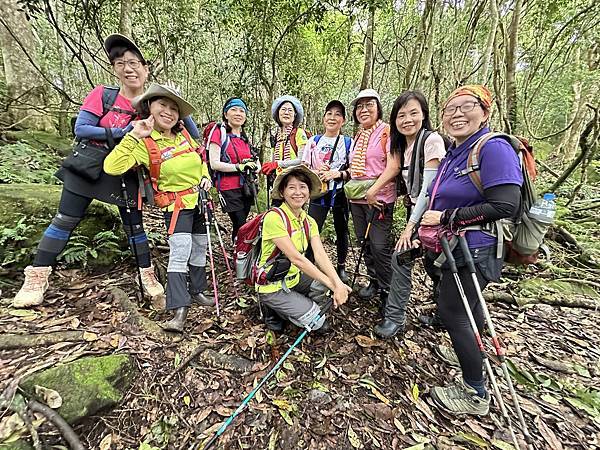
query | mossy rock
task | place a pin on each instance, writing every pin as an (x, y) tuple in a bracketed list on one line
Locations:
[(17, 445), (41, 140), (86, 386), (555, 291), (27, 210)]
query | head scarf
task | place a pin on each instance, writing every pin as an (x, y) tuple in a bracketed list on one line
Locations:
[(235, 102), (479, 91)]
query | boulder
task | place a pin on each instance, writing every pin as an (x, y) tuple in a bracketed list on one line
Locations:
[(27, 210), (86, 385)]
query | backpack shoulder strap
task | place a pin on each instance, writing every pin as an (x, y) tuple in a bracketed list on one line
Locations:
[(109, 97), (188, 137), (317, 138), (293, 142), (347, 143), (384, 138), (155, 160)]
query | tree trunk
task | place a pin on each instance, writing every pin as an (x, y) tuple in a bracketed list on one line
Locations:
[(489, 46), (366, 76), (511, 68), (125, 19), (26, 91)]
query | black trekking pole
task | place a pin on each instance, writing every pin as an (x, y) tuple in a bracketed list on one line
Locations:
[(496, 343), (251, 395), (203, 196), (132, 243), (364, 243), (484, 356)]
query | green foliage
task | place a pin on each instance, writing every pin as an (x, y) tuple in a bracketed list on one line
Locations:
[(22, 163), (13, 239), (81, 249)]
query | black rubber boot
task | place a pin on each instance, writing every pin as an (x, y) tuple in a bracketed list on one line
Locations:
[(273, 321), (201, 299), (341, 271), (388, 328), (178, 321), (325, 329), (369, 291)]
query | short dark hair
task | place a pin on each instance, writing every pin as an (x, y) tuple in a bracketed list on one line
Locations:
[(300, 176), (397, 139), (379, 110), (119, 50), (144, 112)]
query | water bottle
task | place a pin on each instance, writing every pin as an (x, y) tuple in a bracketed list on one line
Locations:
[(544, 209)]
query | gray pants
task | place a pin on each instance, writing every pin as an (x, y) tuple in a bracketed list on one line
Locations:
[(301, 304), (400, 287)]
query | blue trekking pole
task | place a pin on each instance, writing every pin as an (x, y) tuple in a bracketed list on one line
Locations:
[(251, 395)]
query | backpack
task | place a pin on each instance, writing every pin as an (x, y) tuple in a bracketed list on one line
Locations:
[(109, 97), (247, 251), (523, 234), (160, 198)]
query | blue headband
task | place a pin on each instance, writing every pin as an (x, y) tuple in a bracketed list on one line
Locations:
[(235, 102)]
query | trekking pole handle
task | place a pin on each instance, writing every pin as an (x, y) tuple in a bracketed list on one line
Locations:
[(464, 246), (448, 253)]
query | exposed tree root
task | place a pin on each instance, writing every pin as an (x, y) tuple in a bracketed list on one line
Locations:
[(135, 318), (60, 423), (13, 341)]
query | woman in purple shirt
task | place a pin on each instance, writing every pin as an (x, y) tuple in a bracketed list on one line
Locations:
[(456, 203)]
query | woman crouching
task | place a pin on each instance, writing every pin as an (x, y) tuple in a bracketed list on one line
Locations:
[(296, 288), (178, 174)]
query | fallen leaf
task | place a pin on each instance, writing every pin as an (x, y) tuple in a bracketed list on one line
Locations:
[(106, 442), (366, 342), (49, 396), (88, 336), (548, 434), (415, 392), (353, 438)]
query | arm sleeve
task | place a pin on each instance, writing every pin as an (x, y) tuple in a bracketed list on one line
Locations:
[(421, 204), (502, 201), (190, 125), (214, 153), (128, 153), (86, 127)]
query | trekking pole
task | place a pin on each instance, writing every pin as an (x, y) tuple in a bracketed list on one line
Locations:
[(495, 341), (133, 246), (204, 200), (362, 247), (484, 356), (249, 397), (225, 254)]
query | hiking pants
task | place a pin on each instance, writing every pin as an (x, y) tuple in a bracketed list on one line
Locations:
[(71, 210), (187, 254), (378, 250), (452, 311), (300, 304), (318, 210)]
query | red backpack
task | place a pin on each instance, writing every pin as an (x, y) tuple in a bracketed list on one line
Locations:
[(247, 251)]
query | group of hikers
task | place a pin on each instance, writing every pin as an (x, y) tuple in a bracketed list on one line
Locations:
[(361, 175)]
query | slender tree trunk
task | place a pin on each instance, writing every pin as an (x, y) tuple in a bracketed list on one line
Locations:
[(366, 76), (125, 19), (489, 47), (423, 45), (511, 67), (25, 87)]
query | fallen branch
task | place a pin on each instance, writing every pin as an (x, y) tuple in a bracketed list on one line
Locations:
[(135, 318), (60, 423), (187, 360), (13, 341)]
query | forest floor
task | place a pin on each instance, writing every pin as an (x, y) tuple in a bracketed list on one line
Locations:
[(340, 391)]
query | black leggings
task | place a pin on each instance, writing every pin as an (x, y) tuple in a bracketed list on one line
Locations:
[(319, 210), (238, 218), (71, 210)]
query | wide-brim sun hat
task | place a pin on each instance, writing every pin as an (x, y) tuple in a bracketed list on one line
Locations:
[(299, 117), (159, 90), (366, 93), (316, 188), (115, 40)]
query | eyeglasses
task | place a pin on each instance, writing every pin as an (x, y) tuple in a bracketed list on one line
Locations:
[(465, 108), (133, 63), (367, 105), (287, 110)]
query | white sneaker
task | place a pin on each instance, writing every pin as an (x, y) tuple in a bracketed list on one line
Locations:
[(152, 288), (34, 287)]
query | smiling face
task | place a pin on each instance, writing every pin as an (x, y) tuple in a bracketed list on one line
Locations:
[(130, 71), (463, 116), (236, 117), (333, 120), (366, 112), (286, 114), (409, 119), (165, 112), (296, 192)]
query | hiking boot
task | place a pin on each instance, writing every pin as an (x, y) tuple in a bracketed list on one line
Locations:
[(448, 355), (152, 288), (341, 271), (178, 321), (369, 291), (272, 320), (460, 398), (433, 321), (388, 328), (201, 299), (323, 329), (34, 287)]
